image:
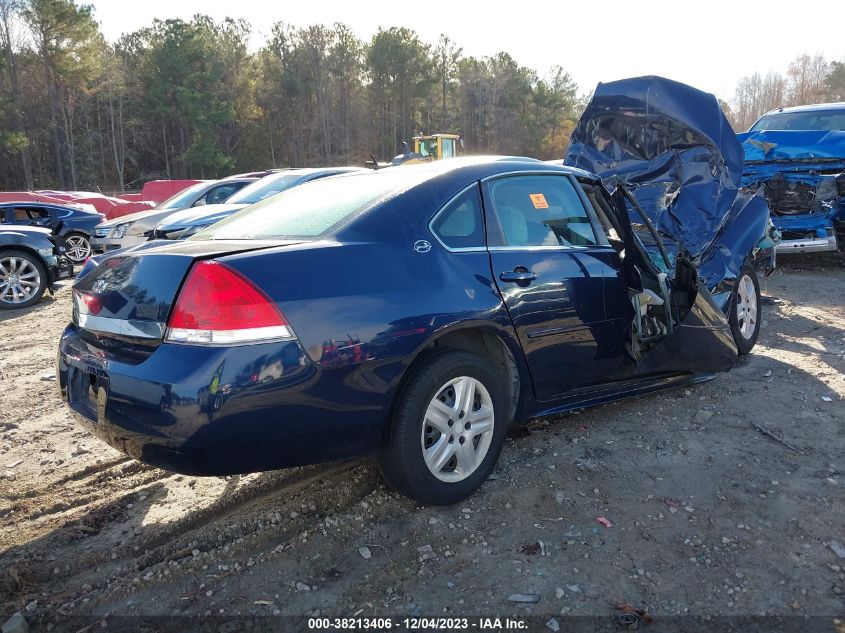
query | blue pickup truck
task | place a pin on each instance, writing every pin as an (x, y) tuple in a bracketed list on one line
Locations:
[(797, 155)]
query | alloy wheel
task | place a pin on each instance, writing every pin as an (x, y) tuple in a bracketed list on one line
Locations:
[(457, 429), (19, 280), (78, 248), (746, 307)]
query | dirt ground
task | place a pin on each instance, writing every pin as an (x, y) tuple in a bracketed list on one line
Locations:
[(710, 517)]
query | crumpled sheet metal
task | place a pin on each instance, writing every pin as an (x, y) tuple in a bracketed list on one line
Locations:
[(814, 158), (793, 145), (670, 145)]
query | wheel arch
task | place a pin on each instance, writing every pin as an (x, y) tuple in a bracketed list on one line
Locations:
[(5, 247), (484, 341)]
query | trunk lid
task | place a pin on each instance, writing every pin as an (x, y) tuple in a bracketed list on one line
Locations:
[(129, 296)]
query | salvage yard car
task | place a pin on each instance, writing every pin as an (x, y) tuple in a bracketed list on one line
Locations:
[(185, 223), (31, 261), (137, 228), (75, 225), (797, 157), (416, 313)]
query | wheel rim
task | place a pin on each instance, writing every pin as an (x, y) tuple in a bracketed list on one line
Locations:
[(78, 248), (457, 429), (19, 280), (746, 307)]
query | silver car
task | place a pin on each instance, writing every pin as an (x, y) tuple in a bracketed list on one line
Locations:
[(188, 221), (135, 228)]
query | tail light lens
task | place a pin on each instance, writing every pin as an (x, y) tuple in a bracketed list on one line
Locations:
[(218, 306), (88, 303)]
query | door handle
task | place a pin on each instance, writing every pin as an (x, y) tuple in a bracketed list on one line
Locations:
[(520, 274)]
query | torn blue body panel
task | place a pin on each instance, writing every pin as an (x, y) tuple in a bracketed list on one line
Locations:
[(809, 146), (671, 147), (802, 175)]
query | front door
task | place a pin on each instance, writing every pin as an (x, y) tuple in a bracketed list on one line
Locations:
[(549, 263)]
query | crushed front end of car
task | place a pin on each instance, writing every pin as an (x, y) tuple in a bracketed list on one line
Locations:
[(802, 175), (670, 147)]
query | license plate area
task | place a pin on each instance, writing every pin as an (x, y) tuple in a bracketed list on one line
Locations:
[(85, 390)]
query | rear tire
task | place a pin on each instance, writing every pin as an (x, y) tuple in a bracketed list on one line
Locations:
[(23, 279), (447, 429), (744, 317), (77, 247)]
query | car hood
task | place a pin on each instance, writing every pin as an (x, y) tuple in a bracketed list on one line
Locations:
[(26, 230), (206, 214), (134, 217), (801, 173), (792, 146), (672, 148)]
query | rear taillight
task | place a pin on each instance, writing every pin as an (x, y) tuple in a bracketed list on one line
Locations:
[(218, 306), (88, 303)]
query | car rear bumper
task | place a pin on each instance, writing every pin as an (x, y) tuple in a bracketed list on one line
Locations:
[(100, 245), (808, 245), (214, 410)]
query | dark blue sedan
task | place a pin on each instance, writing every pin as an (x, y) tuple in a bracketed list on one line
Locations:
[(75, 226), (413, 312)]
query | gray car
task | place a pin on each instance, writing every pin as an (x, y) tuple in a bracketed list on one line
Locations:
[(135, 228), (188, 221)]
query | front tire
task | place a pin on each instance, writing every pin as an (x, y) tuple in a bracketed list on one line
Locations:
[(447, 429), (744, 317), (23, 279)]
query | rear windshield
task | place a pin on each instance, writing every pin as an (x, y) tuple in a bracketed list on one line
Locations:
[(313, 209), (264, 188), (821, 120)]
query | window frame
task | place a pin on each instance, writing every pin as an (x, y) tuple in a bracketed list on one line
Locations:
[(496, 236), (445, 207)]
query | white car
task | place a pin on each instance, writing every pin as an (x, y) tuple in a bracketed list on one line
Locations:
[(188, 221), (135, 228)]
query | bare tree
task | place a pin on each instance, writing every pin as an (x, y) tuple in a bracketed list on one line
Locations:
[(805, 81)]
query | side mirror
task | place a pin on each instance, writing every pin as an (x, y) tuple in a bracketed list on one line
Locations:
[(57, 228)]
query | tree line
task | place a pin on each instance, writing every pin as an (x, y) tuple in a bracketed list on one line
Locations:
[(808, 79), (189, 99)]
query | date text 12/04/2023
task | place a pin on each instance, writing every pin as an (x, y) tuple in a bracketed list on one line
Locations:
[(418, 623)]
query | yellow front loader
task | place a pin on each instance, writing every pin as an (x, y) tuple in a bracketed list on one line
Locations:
[(425, 149)]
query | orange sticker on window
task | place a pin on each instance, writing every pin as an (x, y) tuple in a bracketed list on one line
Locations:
[(539, 201)]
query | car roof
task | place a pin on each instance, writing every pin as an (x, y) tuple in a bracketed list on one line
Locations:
[(308, 171), (478, 167), (52, 205), (230, 179), (813, 107)]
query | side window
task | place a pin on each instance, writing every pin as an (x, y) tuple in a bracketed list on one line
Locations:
[(540, 211), (460, 224), (220, 194), (29, 214), (37, 213)]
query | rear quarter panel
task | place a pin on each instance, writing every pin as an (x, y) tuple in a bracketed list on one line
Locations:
[(372, 305)]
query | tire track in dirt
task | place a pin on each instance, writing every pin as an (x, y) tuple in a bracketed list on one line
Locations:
[(74, 477), (252, 512)]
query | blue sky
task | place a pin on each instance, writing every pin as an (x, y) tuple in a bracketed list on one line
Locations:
[(709, 44)]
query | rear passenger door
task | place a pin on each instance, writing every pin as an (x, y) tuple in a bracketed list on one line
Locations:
[(549, 257)]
